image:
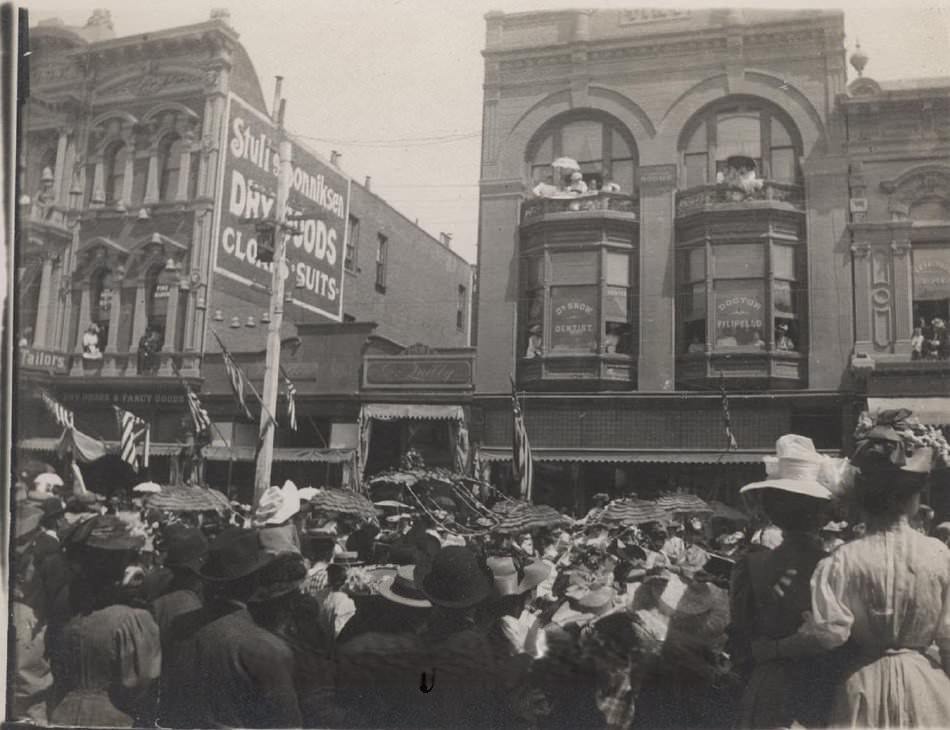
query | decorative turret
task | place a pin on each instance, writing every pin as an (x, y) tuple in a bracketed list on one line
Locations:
[(859, 59)]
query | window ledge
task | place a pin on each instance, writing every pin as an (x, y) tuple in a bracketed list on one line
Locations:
[(703, 198), (381, 288), (748, 368), (598, 369)]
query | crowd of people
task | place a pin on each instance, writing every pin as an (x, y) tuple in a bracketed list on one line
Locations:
[(125, 616)]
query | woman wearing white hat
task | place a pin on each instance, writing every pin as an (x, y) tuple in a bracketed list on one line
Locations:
[(770, 591)]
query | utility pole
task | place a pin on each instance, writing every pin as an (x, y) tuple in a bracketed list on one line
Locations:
[(265, 453)]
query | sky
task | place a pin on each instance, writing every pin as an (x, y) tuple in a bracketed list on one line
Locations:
[(396, 85)]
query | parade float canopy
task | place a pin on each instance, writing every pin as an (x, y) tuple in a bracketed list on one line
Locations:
[(174, 498), (682, 503), (634, 512), (517, 517), (340, 501)]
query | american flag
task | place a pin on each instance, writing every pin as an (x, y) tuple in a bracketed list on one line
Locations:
[(64, 417), (731, 443), (131, 429), (199, 416), (236, 376), (291, 392), (521, 463)]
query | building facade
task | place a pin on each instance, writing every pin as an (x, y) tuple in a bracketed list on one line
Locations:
[(128, 183), (710, 250)]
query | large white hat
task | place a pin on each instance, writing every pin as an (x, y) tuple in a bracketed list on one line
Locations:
[(277, 505), (797, 468)]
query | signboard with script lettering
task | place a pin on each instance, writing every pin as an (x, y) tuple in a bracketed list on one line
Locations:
[(425, 372), (574, 318), (248, 193)]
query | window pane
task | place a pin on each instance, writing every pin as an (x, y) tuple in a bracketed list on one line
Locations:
[(780, 135), (532, 272), (619, 149), (535, 307), (931, 273), (697, 142), (740, 308), (545, 153), (574, 318), (783, 297), (618, 307), (618, 269), (738, 134), (783, 165), (739, 260), (696, 302), (622, 173), (696, 264), (696, 167), (576, 267), (542, 173), (783, 262), (583, 141)]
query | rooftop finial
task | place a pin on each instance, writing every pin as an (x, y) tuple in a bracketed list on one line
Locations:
[(222, 14), (859, 59)]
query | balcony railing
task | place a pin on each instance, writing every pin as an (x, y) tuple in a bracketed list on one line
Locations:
[(126, 364), (535, 208), (726, 196)]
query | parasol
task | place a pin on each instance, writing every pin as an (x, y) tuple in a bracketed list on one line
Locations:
[(524, 517), (391, 503), (343, 501), (411, 477), (634, 512), (173, 498), (682, 503), (566, 163), (147, 488)]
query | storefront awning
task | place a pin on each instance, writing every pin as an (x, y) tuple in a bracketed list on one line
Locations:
[(247, 453), (50, 444), (933, 411), (394, 411), (621, 456)]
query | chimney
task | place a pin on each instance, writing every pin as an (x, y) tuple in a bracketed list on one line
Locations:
[(445, 239), (99, 26), (367, 183), (335, 158), (221, 14)]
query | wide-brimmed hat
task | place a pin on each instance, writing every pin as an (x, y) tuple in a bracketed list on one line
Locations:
[(673, 595), (281, 577), (586, 607), (401, 588), (511, 581), (103, 532), (277, 505), (796, 468), (44, 486), (185, 547), (235, 553), (455, 579)]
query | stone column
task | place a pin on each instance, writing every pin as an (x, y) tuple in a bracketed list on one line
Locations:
[(115, 310), (184, 168), (98, 184), (59, 188), (860, 251), (903, 294), (151, 184), (43, 309), (139, 318), (128, 179), (171, 327), (655, 370)]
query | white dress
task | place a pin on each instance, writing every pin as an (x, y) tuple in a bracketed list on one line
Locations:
[(889, 592)]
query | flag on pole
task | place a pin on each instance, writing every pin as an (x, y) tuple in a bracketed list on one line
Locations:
[(291, 393), (199, 416), (64, 417), (522, 465), (236, 376), (731, 443), (131, 429)]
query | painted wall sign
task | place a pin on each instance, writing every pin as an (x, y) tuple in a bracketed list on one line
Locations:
[(120, 398), (574, 318), (739, 317), (248, 193), (45, 360)]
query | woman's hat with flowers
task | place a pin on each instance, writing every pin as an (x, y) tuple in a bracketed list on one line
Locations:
[(896, 439), (797, 467)]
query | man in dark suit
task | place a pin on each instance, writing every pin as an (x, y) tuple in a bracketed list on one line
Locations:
[(223, 670)]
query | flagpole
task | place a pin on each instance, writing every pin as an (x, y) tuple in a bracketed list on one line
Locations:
[(247, 380), (148, 443)]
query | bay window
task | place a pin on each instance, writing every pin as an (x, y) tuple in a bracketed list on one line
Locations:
[(739, 296), (931, 297), (577, 302)]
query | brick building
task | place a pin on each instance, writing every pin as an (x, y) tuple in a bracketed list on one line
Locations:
[(129, 170), (715, 252)]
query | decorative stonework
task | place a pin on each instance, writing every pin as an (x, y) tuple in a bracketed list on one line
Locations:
[(925, 183), (640, 16), (150, 82)]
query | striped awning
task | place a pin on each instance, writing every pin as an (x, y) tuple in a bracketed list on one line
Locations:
[(247, 453), (932, 411), (630, 456), (49, 445), (414, 411)]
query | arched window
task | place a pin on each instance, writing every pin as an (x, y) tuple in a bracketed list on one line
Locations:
[(169, 165), (100, 303), (193, 170), (113, 163), (740, 129), (603, 148), (28, 288)]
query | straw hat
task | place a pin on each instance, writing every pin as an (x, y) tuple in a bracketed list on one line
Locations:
[(795, 468), (401, 588), (104, 532), (509, 581), (673, 595), (44, 486), (277, 505), (586, 607)]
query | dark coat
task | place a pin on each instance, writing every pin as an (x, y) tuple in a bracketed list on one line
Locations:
[(225, 670)]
